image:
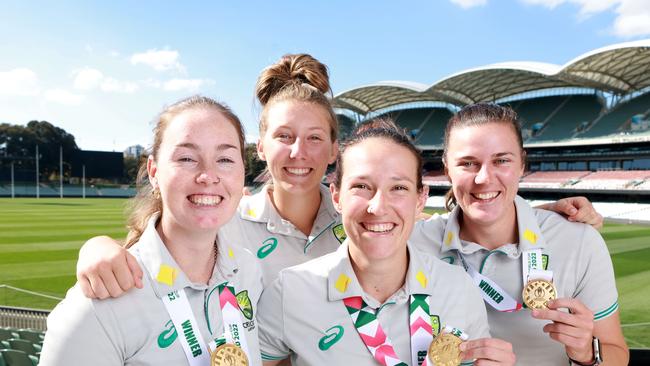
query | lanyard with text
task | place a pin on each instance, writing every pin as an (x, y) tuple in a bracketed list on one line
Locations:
[(380, 346), (493, 294), (194, 345)]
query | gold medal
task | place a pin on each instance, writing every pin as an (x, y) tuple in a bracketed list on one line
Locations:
[(228, 355), (444, 350), (537, 294)]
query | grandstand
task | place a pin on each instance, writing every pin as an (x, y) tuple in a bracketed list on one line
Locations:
[(585, 123)]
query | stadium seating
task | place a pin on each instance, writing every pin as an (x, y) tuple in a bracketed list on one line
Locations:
[(433, 130), (33, 336), (6, 333), (536, 110), (571, 113), (614, 121), (23, 345), (12, 357), (346, 125), (413, 119), (615, 179), (551, 179), (435, 178)]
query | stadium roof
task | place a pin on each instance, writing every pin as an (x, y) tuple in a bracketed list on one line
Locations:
[(620, 69)]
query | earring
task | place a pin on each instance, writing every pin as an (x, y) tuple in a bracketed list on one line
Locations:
[(155, 193)]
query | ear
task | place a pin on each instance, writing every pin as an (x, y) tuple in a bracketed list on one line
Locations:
[(335, 197), (523, 164), (152, 170), (334, 153), (260, 150), (422, 199)]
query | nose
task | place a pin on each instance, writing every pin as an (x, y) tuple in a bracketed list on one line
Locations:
[(483, 175), (297, 149), (207, 175), (377, 204)]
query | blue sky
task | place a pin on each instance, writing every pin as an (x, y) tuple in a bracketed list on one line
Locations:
[(103, 70)]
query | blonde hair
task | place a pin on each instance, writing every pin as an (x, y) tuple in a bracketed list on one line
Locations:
[(147, 202), (298, 77)]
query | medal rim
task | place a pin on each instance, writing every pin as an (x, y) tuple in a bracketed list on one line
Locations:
[(241, 355), (526, 290)]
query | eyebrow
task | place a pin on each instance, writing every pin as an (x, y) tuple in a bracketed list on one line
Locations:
[(394, 178), (497, 155), (192, 146)]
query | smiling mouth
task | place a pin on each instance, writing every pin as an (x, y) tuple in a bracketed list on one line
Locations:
[(298, 171), (485, 196), (205, 200), (378, 227)]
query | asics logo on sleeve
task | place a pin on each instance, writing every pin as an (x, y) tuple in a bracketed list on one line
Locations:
[(168, 336), (332, 335), (267, 247)]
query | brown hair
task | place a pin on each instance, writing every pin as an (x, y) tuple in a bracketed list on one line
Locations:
[(478, 115), (298, 77), (146, 202), (385, 128)]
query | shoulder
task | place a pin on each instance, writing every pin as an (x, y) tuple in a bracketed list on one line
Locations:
[(428, 233), (312, 269), (556, 228)]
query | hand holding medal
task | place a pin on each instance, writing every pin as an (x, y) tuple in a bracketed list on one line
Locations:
[(574, 329), (495, 350)]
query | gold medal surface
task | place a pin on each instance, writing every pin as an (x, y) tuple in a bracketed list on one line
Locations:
[(444, 351), (537, 294), (228, 355)]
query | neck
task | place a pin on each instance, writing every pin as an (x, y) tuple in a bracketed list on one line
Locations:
[(490, 236), (300, 212), (193, 250), (379, 278)]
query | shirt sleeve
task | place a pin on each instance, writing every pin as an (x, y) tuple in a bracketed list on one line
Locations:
[(596, 285), (270, 317), (427, 234), (76, 335)]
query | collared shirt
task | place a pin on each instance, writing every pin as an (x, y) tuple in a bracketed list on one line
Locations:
[(276, 242), (576, 253), (136, 329), (302, 314)]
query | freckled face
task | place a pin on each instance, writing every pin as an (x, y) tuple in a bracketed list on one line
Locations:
[(484, 164), (199, 170), (297, 146), (378, 199)]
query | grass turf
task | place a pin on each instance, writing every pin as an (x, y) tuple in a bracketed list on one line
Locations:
[(40, 239)]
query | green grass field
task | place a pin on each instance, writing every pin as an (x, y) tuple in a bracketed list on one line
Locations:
[(40, 239)]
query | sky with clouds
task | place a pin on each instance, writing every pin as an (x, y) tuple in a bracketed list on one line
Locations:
[(103, 70)]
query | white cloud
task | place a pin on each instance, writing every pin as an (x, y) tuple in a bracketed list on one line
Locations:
[(88, 79), (118, 86), (632, 16), (185, 84), (63, 97), (466, 4), (159, 60), (20, 81), (91, 79)]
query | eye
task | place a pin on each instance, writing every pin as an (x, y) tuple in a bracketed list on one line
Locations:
[(283, 136), (467, 164), (400, 187), (359, 186), (186, 159), (502, 161), (226, 161), (315, 138)]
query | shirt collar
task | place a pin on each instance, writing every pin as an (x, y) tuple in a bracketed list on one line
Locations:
[(529, 232), (342, 282), (259, 208), (163, 271)]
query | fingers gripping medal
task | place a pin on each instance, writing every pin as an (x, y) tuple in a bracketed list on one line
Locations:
[(228, 354), (444, 350)]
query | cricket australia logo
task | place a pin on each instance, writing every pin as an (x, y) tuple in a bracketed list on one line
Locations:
[(339, 233), (332, 335), (245, 305)]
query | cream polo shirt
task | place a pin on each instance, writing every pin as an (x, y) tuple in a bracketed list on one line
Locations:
[(302, 314), (576, 253), (276, 242), (135, 329)]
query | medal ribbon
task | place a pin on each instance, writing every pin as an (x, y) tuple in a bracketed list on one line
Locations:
[(181, 315), (491, 292), (380, 346), (232, 323)]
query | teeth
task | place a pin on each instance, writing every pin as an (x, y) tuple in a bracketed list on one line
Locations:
[(486, 196), (203, 200), (298, 171), (379, 228)]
